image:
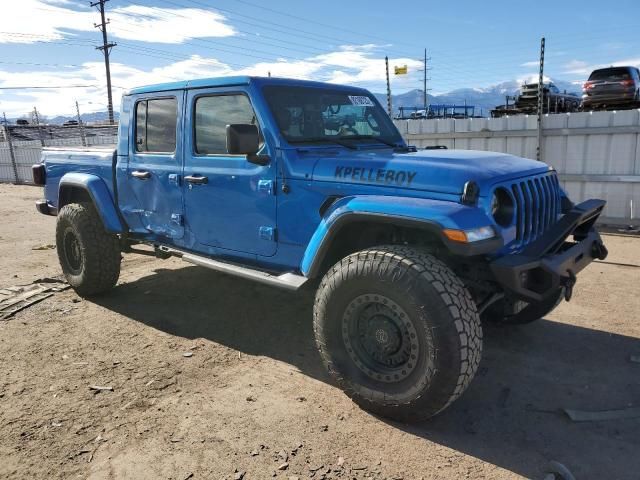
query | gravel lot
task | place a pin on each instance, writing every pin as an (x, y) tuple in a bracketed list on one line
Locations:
[(253, 397)]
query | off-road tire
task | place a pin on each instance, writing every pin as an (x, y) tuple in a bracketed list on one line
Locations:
[(442, 317), (528, 313), (88, 254)]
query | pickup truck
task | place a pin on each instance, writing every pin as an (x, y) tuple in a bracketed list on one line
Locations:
[(303, 185)]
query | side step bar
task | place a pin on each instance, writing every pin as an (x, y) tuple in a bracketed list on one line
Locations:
[(289, 281)]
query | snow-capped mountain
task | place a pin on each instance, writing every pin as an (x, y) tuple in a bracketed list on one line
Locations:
[(484, 99)]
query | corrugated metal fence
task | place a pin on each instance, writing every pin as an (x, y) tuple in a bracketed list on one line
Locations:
[(596, 154), (21, 146)]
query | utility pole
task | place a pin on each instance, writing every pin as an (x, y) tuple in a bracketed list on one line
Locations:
[(425, 69), (12, 153), (540, 101), (424, 96), (106, 50), (389, 110), (36, 117), (80, 126)]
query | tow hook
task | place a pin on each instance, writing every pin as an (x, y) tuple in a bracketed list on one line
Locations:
[(568, 282), (599, 251)]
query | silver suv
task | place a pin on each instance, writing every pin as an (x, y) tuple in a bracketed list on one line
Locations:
[(612, 86)]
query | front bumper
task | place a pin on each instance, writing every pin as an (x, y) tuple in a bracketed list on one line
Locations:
[(552, 261)]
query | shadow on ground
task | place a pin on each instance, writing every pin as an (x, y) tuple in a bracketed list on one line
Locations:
[(510, 416)]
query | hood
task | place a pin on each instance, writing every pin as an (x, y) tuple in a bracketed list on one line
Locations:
[(443, 171)]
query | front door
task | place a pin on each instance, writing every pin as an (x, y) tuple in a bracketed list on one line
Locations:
[(155, 163), (229, 202)]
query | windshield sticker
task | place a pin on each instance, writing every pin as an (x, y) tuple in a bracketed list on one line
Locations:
[(361, 101), (375, 175)]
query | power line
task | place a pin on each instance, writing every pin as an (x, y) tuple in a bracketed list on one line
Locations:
[(315, 22), (41, 64), (288, 29), (47, 87), (307, 48)]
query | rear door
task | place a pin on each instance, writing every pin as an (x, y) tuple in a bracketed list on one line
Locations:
[(229, 202), (155, 163)]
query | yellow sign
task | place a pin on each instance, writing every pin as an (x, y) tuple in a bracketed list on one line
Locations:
[(401, 70)]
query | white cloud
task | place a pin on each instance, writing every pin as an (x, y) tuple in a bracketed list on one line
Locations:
[(349, 65), (579, 67), (177, 26), (535, 63), (532, 78), (35, 20)]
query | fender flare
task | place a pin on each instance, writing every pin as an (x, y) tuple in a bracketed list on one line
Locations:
[(100, 196), (431, 215)]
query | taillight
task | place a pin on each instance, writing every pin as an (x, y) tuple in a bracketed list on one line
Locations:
[(587, 86), (39, 174), (626, 83)]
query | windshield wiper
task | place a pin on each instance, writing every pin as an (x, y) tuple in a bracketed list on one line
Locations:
[(337, 141)]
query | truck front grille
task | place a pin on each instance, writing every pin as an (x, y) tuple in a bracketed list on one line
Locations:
[(537, 205)]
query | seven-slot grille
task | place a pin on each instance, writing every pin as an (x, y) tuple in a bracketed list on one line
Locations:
[(537, 202)]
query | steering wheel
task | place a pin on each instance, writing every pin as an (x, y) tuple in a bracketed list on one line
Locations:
[(374, 126), (348, 126), (349, 130)]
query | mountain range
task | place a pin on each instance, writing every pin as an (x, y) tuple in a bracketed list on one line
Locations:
[(484, 99)]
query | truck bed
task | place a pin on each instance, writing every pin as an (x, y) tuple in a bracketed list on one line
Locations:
[(61, 160)]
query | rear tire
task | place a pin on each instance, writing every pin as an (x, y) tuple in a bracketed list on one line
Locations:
[(88, 254), (398, 331)]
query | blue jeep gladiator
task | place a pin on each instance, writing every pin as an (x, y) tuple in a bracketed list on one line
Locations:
[(294, 183)]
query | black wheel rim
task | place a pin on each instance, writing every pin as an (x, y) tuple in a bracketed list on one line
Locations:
[(72, 252), (380, 338)]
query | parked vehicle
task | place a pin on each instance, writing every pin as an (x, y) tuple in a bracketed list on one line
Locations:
[(411, 248), (553, 100), (22, 122), (526, 102), (611, 87)]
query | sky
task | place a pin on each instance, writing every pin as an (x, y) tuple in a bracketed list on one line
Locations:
[(470, 44)]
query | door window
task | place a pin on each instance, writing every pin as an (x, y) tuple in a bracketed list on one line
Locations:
[(156, 125), (213, 114)]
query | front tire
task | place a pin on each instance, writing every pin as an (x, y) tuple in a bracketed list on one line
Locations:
[(88, 254), (398, 331)]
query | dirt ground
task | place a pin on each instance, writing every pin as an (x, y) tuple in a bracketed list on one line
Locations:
[(253, 397)]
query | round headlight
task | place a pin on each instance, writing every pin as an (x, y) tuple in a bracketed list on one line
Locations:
[(502, 207)]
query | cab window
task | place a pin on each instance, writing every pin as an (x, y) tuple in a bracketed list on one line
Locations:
[(211, 117), (156, 121)]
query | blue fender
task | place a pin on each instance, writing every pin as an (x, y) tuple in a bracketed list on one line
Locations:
[(432, 215), (100, 195)]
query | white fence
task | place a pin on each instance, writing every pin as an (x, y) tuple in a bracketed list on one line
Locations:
[(596, 154), (25, 148)]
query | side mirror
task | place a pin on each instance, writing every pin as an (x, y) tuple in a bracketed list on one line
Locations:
[(244, 139)]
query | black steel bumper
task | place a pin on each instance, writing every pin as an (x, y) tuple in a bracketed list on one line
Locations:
[(46, 208), (552, 261)]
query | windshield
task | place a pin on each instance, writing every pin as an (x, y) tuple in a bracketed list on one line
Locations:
[(324, 115)]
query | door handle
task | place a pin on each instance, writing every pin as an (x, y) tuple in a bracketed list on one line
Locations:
[(141, 174), (196, 179)]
